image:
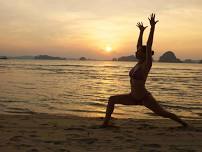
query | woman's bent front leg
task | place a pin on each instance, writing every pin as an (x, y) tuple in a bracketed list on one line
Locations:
[(109, 111), (124, 99)]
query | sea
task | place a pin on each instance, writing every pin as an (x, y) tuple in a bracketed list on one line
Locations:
[(82, 88)]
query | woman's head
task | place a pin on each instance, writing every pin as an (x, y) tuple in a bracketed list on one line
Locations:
[(141, 53)]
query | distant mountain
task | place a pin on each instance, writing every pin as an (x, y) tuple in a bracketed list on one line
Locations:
[(82, 58), (169, 56), (127, 58), (188, 61), (114, 59), (47, 57), (22, 57), (3, 57)]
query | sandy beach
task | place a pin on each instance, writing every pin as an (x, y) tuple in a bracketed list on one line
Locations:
[(66, 133)]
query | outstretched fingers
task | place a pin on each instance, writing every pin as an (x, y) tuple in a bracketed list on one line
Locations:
[(141, 26), (153, 15), (152, 19)]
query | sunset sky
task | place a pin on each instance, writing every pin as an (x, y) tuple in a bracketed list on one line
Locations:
[(100, 29)]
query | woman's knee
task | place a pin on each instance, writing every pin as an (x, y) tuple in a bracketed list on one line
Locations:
[(111, 100)]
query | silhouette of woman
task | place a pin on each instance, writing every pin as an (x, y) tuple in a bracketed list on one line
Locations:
[(138, 76)]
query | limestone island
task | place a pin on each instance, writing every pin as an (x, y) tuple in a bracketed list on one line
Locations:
[(3, 57), (47, 57), (83, 58), (169, 56), (126, 58)]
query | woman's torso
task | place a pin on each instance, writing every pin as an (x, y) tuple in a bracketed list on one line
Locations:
[(138, 78)]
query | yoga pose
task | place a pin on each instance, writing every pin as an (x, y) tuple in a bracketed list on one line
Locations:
[(138, 76)]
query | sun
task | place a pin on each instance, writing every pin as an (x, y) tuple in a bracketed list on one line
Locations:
[(108, 48)]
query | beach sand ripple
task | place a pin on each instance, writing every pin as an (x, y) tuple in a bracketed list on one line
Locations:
[(66, 133)]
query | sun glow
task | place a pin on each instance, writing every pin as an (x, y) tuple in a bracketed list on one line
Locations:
[(108, 48)]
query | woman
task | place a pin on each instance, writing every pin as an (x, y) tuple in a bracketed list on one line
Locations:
[(138, 76)]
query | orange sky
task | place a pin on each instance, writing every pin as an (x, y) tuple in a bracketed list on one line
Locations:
[(74, 28)]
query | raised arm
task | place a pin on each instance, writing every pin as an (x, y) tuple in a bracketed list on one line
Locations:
[(142, 28), (150, 40)]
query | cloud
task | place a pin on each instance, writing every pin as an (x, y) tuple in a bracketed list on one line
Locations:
[(82, 25)]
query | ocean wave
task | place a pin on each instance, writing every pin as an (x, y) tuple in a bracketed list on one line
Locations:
[(188, 107), (18, 111), (13, 101), (91, 111), (96, 104), (55, 86)]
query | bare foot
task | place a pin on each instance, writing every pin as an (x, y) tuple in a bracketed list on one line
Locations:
[(107, 125), (185, 125)]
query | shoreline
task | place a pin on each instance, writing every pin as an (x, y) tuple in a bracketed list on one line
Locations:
[(66, 133), (195, 61)]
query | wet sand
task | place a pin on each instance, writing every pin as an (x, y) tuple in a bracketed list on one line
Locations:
[(56, 133)]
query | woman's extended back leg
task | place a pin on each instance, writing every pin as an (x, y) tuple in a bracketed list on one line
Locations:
[(151, 103)]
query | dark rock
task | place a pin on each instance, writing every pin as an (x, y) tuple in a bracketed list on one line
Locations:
[(114, 59), (169, 56), (127, 58), (83, 58), (3, 57), (188, 61)]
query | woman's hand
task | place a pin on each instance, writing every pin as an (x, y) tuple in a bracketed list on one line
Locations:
[(141, 26), (152, 20)]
